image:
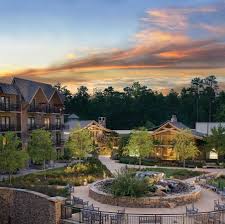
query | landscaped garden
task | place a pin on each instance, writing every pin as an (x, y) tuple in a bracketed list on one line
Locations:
[(48, 182), (217, 182)]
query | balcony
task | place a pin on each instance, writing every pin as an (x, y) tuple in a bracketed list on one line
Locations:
[(4, 128), (49, 128), (10, 107), (45, 109), (59, 143)]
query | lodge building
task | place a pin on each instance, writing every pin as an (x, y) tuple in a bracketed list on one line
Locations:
[(101, 135), (27, 105), (165, 135)]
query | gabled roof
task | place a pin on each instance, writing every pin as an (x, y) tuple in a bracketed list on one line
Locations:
[(73, 117), (8, 89), (71, 124), (29, 88), (179, 126)]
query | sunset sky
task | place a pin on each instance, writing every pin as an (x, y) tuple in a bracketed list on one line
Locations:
[(100, 43)]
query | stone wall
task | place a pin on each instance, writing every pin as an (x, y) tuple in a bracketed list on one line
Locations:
[(18, 206), (169, 201)]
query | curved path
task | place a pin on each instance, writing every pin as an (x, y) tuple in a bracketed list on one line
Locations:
[(206, 202)]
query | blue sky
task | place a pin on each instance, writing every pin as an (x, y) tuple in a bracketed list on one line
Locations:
[(122, 34)]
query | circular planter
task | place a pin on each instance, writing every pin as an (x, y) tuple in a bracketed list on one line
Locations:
[(168, 201)]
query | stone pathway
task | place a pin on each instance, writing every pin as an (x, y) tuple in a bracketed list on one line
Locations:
[(205, 204)]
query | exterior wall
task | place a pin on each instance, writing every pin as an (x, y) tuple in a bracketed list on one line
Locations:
[(206, 127), (19, 206), (13, 112)]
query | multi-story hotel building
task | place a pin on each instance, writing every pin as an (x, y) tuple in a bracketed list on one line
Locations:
[(27, 105)]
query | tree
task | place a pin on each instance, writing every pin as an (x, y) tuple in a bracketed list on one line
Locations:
[(140, 144), (185, 146), (217, 140), (12, 157), (40, 147), (196, 88), (80, 143)]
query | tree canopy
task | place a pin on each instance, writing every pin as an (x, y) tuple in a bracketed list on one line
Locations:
[(140, 144), (216, 140), (40, 146), (185, 146), (80, 143), (12, 157), (140, 106)]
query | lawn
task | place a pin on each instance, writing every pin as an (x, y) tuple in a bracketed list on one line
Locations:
[(46, 182), (180, 174)]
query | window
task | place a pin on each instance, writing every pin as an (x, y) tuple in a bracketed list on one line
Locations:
[(5, 123), (5, 102), (47, 122), (31, 122), (58, 138), (58, 122)]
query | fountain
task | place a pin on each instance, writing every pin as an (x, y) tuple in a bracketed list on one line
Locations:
[(164, 192)]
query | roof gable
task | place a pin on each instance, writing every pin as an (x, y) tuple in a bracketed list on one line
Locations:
[(176, 127), (29, 88), (8, 89)]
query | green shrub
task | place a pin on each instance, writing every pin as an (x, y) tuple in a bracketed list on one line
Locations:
[(126, 184)]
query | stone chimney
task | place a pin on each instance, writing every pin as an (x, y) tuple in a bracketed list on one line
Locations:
[(173, 118), (102, 121)]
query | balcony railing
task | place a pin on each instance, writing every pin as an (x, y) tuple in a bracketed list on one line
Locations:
[(4, 128), (45, 109), (59, 143), (46, 127), (10, 107)]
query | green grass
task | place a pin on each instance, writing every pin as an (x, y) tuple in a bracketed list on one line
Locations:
[(218, 182), (89, 171), (180, 174)]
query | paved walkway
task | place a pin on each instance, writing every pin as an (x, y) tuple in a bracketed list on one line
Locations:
[(206, 202), (24, 172)]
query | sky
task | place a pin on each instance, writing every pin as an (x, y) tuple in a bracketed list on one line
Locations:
[(98, 43)]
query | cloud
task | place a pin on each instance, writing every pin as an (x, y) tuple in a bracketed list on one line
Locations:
[(169, 39)]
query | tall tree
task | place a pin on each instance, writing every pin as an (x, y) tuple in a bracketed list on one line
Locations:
[(40, 147), (12, 157), (140, 144), (185, 146), (197, 88), (80, 143), (211, 86)]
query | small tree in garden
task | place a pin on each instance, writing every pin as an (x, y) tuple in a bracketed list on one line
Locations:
[(40, 147), (80, 143), (185, 146), (12, 157), (140, 144), (216, 140)]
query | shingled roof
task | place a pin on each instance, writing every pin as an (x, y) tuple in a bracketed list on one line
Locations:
[(8, 89), (29, 88), (179, 125)]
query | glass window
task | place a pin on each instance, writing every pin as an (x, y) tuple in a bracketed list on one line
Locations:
[(5, 122), (31, 122), (47, 122), (5, 102), (58, 122)]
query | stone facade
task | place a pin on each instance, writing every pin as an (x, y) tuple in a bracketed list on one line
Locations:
[(18, 206), (169, 201)]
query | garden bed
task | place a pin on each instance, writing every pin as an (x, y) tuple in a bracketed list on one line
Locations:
[(76, 175), (180, 174)]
